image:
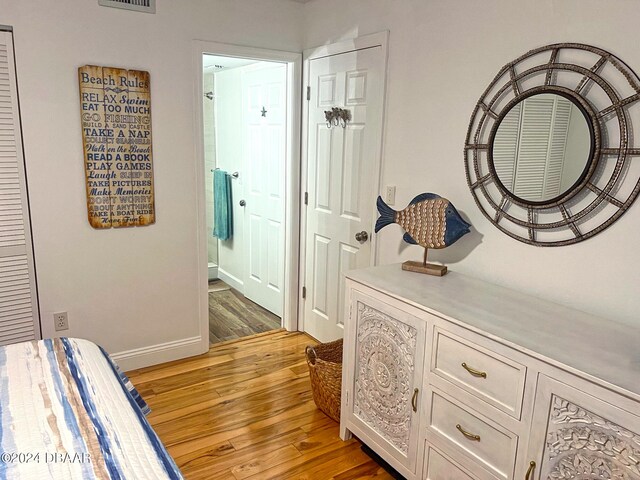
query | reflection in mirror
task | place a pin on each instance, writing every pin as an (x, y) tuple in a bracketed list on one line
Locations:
[(541, 147)]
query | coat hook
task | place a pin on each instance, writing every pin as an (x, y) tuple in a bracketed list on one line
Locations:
[(337, 116)]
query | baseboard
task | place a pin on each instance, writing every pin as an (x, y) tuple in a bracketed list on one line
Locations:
[(155, 354), (230, 280), (213, 271)]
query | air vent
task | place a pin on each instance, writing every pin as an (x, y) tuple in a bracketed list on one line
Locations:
[(147, 6)]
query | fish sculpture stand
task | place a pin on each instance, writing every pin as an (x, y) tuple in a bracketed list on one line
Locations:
[(429, 221)]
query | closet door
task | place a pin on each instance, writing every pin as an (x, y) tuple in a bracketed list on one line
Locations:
[(19, 317)]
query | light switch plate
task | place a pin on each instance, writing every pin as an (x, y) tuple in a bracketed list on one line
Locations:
[(390, 194)]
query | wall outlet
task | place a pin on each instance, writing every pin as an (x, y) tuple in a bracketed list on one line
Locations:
[(60, 321), (390, 194)]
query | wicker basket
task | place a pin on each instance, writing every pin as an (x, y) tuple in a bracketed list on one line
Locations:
[(325, 372)]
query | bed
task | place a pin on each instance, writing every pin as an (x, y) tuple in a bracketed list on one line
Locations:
[(66, 411)]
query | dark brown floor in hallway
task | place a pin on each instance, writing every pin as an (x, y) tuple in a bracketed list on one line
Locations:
[(233, 316)]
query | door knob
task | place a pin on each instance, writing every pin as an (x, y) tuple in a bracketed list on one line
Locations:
[(362, 236), (242, 203)]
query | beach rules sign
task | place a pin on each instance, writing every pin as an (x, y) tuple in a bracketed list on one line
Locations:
[(115, 110)]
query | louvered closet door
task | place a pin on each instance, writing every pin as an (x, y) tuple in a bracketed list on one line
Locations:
[(19, 318), (505, 146)]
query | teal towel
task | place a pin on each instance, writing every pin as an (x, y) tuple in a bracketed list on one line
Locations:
[(222, 206)]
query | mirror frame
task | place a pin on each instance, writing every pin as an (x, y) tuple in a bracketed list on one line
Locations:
[(594, 134), (579, 213)]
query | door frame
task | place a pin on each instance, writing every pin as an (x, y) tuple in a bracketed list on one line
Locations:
[(380, 39), (292, 175)]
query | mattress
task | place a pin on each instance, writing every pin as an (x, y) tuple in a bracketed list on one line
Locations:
[(67, 412)]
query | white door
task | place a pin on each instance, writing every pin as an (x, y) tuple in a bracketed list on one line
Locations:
[(341, 179), (265, 107)]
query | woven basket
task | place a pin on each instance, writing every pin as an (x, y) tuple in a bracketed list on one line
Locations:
[(325, 372)]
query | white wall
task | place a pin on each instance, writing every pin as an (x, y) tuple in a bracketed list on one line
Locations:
[(136, 288), (130, 288), (442, 55)]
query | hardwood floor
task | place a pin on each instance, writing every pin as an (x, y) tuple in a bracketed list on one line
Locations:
[(244, 411), (233, 316)]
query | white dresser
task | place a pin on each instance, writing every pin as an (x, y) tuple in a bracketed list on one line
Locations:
[(453, 378)]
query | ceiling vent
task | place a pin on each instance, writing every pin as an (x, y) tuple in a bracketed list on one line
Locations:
[(147, 6)]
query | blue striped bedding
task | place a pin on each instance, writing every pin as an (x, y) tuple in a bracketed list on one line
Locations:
[(67, 411)]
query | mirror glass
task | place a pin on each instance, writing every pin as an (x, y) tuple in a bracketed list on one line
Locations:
[(542, 147)]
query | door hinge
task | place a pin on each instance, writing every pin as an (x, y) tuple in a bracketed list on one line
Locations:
[(308, 93), (306, 198), (304, 292), (346, 394)]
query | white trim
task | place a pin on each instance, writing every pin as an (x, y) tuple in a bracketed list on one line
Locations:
[(232, 281), (380, 39), (212, 270), (160, 353), (292, 203)]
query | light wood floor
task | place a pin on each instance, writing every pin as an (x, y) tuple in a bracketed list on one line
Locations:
[(232, 316), (244, 410)]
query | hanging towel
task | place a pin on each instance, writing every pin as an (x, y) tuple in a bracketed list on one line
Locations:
[(222, 206)]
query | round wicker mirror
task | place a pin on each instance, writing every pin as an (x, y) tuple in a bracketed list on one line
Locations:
[(549, 152)]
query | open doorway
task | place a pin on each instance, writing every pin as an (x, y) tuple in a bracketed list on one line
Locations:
[(249, 190), (245, 106)]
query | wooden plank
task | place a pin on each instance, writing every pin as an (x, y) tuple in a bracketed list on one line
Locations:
[(140, 147), (98, 169), (232, 316), (264, 462), (115, 97), (244, 410), (364, 471)]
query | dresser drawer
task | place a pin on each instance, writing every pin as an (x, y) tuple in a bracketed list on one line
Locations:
[(439, 467), (486, 442), (494, 378)]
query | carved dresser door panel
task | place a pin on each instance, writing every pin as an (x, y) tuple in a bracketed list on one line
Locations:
[(582, 437), (389, 351)]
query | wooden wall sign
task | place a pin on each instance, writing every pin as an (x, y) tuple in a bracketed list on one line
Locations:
[(115, 109)]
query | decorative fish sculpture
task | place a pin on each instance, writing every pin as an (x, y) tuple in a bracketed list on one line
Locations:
[(429, 221)]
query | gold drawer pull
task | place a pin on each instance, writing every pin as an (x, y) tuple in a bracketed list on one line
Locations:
[(414, 398), (473, 371), (532, 465), (469, 435)]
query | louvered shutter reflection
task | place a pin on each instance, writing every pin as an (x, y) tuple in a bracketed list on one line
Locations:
[(529, 147)]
